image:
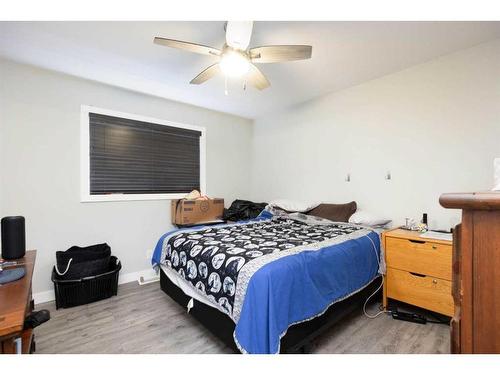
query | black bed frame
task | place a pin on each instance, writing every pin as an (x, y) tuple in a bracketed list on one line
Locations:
[(298, 337)]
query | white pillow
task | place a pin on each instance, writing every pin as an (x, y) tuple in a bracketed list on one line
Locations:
[(294, 206), (365, 218)]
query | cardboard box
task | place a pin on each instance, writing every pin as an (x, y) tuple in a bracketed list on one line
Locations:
[(198, 211)]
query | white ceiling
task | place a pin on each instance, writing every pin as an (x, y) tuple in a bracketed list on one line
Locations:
[(344, 54)]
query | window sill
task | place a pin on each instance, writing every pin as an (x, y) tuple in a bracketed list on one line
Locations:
[(130, 197)]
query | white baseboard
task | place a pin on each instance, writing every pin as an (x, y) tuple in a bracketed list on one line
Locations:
[(45, 296), (48, 295), (134, 276)]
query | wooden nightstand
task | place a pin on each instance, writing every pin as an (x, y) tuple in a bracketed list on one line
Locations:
[(418, 270)]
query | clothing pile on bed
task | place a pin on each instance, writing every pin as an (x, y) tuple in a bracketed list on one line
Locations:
[(271, 272)]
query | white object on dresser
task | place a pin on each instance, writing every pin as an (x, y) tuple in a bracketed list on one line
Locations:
[(496, 167), (437, 235)]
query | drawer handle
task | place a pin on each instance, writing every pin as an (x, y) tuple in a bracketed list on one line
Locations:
[(434, 281), (417, 274), (434, 247), (416, 241)]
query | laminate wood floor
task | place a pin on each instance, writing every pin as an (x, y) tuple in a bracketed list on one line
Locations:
[(143, 319)]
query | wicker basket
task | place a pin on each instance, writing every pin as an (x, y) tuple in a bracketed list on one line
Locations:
[(71, 293)]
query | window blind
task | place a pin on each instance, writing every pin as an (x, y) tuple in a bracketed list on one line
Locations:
[(135, 157)]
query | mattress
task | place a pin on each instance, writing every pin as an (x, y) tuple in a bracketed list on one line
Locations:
[(270, 273)]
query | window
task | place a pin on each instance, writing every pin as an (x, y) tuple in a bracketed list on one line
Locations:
[(130, 157)]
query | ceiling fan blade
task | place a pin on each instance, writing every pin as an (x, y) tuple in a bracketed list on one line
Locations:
[(238, 34), (256, 78), (272, 54), (191, 47), (205, 75)]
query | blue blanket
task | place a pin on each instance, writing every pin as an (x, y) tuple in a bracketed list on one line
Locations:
[(297, 285), (300, 287)]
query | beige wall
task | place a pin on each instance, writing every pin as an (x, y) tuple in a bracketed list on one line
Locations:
[(435, 127), (40, 165)]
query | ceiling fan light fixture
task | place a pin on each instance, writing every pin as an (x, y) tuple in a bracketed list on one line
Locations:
[(234, 64), (236, 59)]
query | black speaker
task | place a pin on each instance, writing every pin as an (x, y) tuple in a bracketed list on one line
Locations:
[(13, 237)]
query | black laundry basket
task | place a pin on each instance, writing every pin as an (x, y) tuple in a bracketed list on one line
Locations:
[(71, 293)]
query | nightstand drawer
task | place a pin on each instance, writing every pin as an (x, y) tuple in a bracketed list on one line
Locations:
[(425, 291), (422, 257)]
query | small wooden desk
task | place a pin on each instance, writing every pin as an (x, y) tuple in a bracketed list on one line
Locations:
[(15, 303)]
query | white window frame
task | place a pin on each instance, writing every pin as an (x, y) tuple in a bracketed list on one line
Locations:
[(85, 157)]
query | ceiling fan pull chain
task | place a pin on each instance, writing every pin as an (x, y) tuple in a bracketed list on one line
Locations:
[(225, 86)]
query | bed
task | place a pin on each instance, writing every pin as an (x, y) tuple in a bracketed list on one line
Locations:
[(270, 284)]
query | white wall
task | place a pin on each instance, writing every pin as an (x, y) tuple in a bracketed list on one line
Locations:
[(435, 127), (40, 165)]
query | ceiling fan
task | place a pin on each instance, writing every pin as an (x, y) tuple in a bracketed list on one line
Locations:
[(236, 59)]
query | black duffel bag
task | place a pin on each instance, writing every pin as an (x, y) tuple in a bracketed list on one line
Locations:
[(243, 210), (78, 262)]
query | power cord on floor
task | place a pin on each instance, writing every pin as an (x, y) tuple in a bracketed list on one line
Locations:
[(376, 290), (366, 302)]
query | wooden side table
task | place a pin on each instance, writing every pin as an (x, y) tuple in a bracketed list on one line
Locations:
[(418, 271)]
